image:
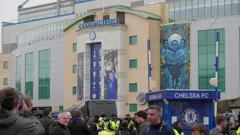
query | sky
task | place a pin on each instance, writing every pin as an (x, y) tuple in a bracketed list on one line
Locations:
[(8, 10)]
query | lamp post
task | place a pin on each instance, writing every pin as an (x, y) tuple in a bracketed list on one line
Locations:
[(214, 81)]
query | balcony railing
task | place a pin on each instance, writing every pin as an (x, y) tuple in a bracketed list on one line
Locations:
[(43, 33)]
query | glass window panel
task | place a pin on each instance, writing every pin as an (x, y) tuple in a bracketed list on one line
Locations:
[(5, 64), (133, 40), (74, 47), (133, 87), (189, 10), (202, 37), (177, 11), (211, 48), (221, 9), (202, 61), (203, 73), (221, 83), (74, 90), (214, 8), (211, 60), (195, 9), (133, 108), (211, 36), (5, 81), (133, 63), (61, 108), (202, 49), (222, 36), (171, 10), (211, 72), (201, 9), (183, 11), (221, 48), (208, 8), (235, 7), (203, 82), (221, 60), (210, 87), (228, 7), (221, 71)]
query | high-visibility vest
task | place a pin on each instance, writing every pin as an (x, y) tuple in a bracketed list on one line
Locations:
[(130, 124), (113, 125), (176, 132), (238, 131), (105, 133)]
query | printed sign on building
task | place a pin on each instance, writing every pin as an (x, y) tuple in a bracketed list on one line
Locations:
[(80, 75), (175, 56), (110, 73)]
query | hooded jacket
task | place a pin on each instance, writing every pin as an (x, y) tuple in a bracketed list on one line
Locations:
[(13, 124)]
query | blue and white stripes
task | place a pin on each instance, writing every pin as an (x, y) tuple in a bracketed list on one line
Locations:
[(149, 67), (216, 71)]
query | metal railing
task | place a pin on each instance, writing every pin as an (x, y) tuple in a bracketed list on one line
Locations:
[(43, 33)]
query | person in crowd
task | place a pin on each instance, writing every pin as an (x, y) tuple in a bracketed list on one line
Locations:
[(157, 126), (177, 127), (101, 130), (198, 129), (92, 125), (113, 124), (221, 123), (77, 126), (141, 119), (232, 126), (60, 128), (102, 119), (10, 122), (46, 120), (124, 129), (130, 121)]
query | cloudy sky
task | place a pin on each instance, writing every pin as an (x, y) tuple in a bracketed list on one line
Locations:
[(8, 9)]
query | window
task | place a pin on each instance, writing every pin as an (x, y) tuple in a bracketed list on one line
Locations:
[(5, 65), (74, 47), (189, 10), (18, 72), (214, 8), (106, 17), (228, 7), (195, 9), (133, 63), (183, 11), (29, 74), (44, 74), (208, 8), (221, 8), (177, 11), (133, 108), (89, 19), (74, 90), (206, 58), (74, 68), (133, 87), (121, 17), (235, 9), (5, 81), (133, 40), (61, 108)]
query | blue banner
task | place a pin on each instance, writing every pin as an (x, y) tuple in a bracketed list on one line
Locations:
[(110, 73), (95, 83), (99, 23), (182, 95)]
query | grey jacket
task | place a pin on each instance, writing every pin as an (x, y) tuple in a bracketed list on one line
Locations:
[(13, 124)]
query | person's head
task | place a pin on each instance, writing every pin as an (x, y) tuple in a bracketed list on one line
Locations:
[(77, 114), (124, 124), (221, 121), (198, 129), (174, 45), (63, 118), (102, 114), (127, 116), (110, 75), (46, 112), (177, 125), (28, 102), (154, 115), (114, 116), (10, 99), (140, 117)]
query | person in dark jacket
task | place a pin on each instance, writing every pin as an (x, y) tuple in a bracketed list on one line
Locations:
[(60, 127), (10, 122), (46, 120), (124, 130), (157, 126), (140, 118), (93, 126), (77, 126)]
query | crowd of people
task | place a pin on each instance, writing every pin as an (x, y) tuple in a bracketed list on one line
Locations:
[(16, 118)]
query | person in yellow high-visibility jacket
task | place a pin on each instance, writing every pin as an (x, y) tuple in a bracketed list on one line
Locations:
[(113, 124), (238, 131), (177, 127)]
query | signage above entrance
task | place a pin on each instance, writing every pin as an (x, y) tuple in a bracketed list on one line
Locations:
[(99, 23), (182, 94)]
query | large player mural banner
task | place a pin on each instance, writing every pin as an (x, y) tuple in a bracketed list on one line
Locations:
[(175, 56), (80, 75), (110, 73)]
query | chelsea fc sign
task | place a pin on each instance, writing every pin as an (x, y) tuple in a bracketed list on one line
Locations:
[(190, 116)]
